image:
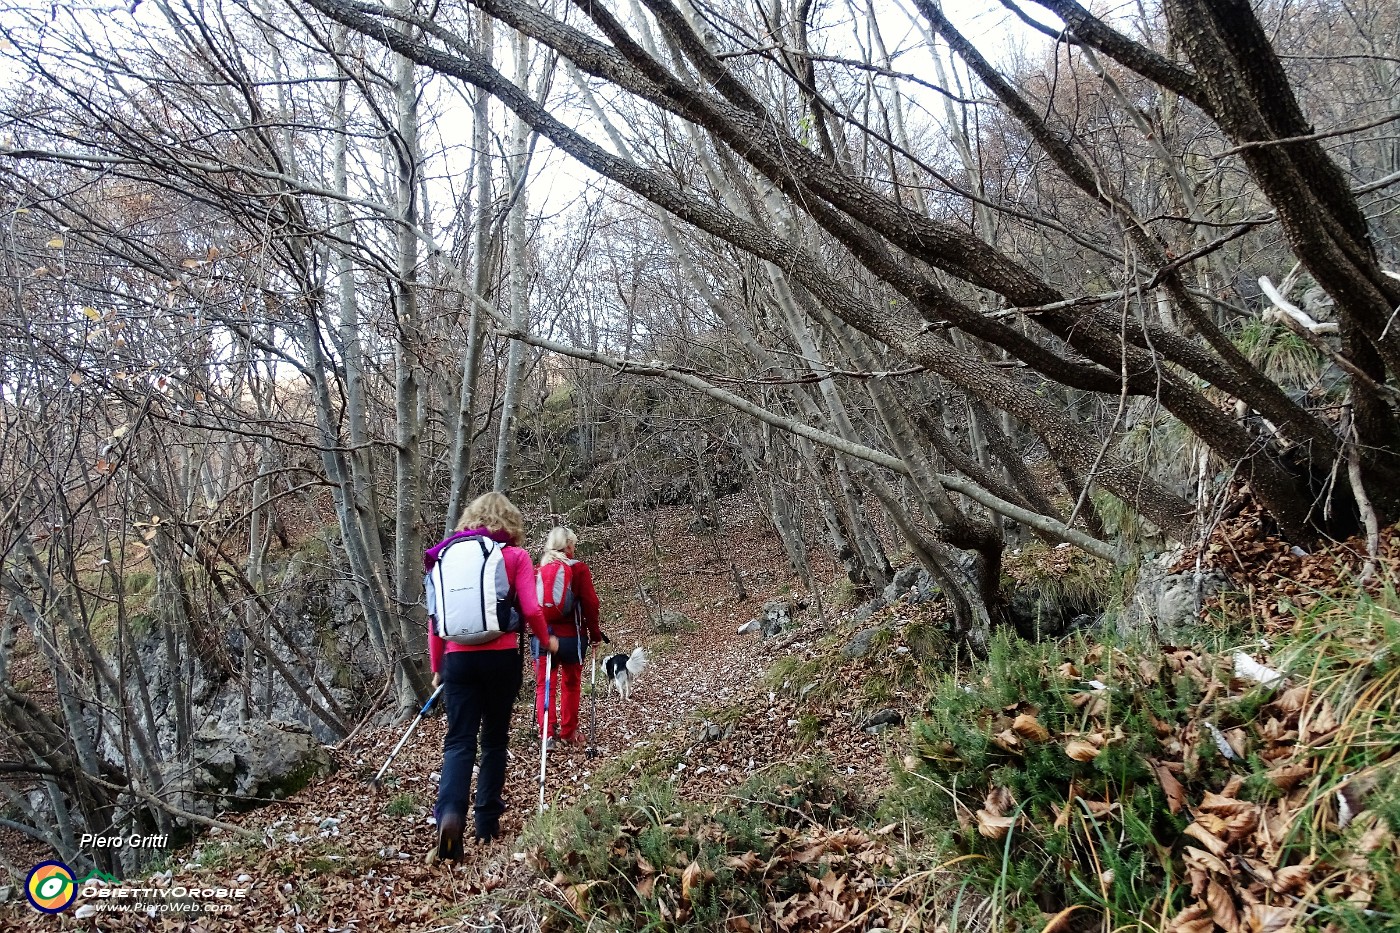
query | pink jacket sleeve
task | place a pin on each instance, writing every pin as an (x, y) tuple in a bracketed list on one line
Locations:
[(522, 579), (588, 599), (436, 647)]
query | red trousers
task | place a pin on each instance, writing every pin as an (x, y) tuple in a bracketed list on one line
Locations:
[(565, 692)]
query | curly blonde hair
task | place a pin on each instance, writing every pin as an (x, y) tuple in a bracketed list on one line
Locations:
[(557, 544), (494, 512)]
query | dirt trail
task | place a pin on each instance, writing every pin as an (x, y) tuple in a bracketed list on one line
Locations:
[(343, 856)]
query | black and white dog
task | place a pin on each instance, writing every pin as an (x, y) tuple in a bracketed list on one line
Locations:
[(623, 670)]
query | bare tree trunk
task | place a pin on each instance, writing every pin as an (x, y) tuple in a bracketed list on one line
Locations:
[(408, 543), (519, 284), (461, 455)]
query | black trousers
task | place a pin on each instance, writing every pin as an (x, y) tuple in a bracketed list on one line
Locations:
[(480, 692)]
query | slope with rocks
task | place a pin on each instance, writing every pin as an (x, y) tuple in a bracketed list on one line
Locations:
[(856, 772)]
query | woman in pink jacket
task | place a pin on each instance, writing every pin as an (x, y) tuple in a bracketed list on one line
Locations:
[(575, 631), (482, 682)]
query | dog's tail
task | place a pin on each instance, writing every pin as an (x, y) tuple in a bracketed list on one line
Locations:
[(637, 662)]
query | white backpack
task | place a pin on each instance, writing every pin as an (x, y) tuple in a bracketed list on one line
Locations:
[(471, 598)]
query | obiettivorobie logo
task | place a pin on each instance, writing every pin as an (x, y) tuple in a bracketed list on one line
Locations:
[(50, 887)]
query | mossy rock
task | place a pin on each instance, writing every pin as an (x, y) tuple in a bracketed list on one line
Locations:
[(589, 513)]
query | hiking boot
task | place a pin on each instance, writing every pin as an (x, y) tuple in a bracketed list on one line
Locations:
[(450, 837), (549, 744), (485, 833)]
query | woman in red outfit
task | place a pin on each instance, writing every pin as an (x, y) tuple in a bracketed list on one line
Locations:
[(482, 681), (574, 631)]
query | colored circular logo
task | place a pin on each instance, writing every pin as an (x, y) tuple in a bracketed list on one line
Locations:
[(50, 887)]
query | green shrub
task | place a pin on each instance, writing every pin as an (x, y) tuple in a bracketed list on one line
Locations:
[(628, 860), (1065, 795), (402, 805)]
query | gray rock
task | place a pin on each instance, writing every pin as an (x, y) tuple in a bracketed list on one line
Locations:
[(860, 645), (5, 893), (925, 589), (1047, 612), (255, 759), (904, 581), (589, 512), (700, 525), (1167, 603), (885, 717), (751, 627), (776, 617), (713, 732), (866, 610), (671, 621)]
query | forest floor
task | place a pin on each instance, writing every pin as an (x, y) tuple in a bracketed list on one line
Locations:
[(343, 855), (1062, 786)]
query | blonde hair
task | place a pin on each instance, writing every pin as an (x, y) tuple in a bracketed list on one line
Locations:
[(494, 512), (557, 544)]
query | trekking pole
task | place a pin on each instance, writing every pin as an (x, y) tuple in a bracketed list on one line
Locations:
[(544, 726), (411, 726), (593, 704)]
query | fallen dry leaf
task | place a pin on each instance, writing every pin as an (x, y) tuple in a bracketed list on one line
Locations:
[(690, 881), (1222, 805), (999, 801), (1060, 923), (1205, 861), (1268, 918), (577, 896), (1292, 878), (1213, 844), (1175, 791), (993, 826), (745, 863), (1222, 906), (1194, 919), (1080, 750), (1030, 729), (1287, 777)]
